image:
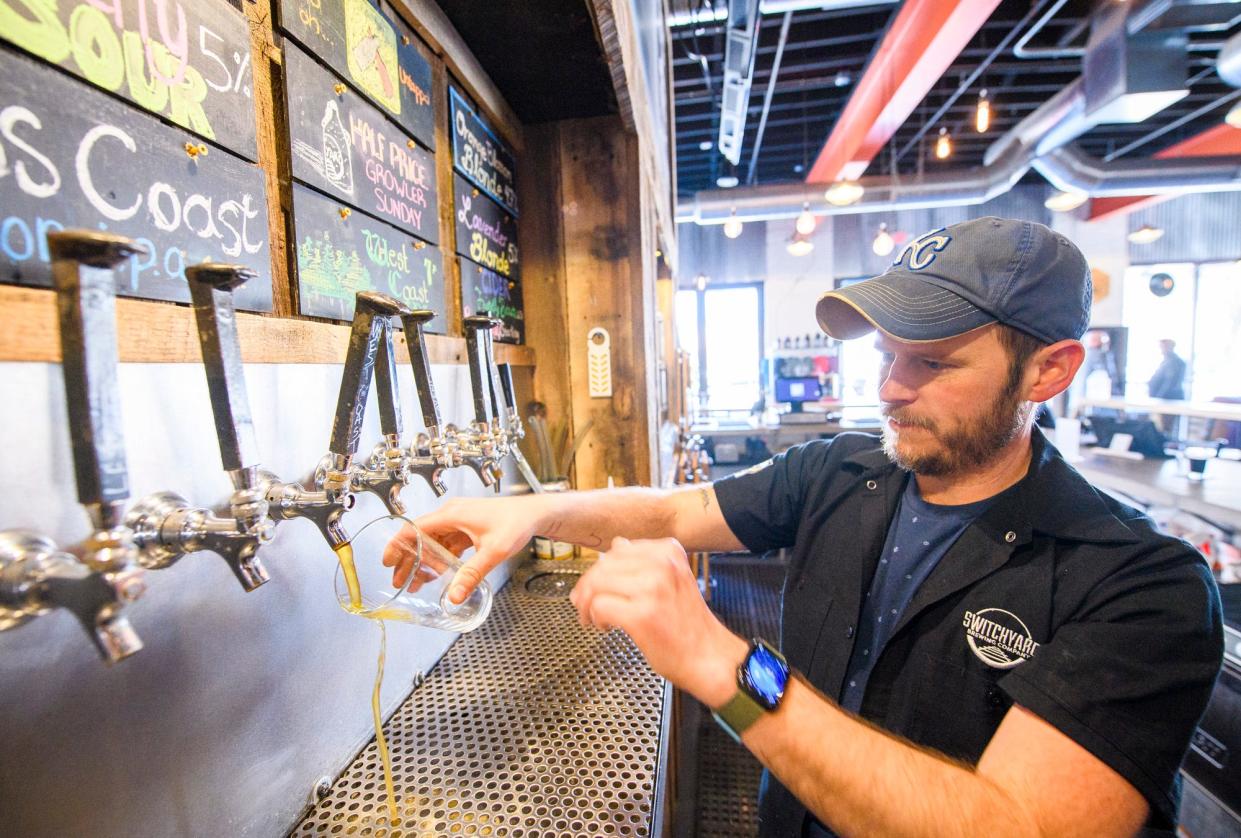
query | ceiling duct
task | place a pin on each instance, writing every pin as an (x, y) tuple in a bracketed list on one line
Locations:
[(1128, 76), (971, 186), (739, 51), (1125, 78), (1072, 170)]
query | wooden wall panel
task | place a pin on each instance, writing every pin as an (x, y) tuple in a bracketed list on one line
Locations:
[(541, 238), (610, 284)]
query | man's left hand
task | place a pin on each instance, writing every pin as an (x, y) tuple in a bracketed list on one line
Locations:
[(646, 588)]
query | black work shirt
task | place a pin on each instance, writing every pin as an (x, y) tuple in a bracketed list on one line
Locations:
[(1057, 598)]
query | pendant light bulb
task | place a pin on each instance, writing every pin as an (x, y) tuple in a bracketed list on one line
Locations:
[(943, 145), (883, 244), (1233, 117), (842, 193), (733, 226), (982, 117), (805, 221)]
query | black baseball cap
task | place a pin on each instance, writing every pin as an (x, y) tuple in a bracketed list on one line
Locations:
[(965, 276)]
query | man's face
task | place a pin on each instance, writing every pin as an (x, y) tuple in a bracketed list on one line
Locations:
[(950, 405)]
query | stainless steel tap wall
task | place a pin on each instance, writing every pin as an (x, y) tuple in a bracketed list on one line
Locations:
[(239, 701)]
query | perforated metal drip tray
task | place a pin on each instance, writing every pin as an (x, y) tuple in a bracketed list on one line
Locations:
[(529, 726)]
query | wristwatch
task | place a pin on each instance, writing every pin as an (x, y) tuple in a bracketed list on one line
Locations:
[(761, 679)]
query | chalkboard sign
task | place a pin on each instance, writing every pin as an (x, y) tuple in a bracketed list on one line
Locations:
[(343, 146), (486, 234), (74, 156), (186, 61), (379, 56), (480, 155), (486, 292), (340, 254)]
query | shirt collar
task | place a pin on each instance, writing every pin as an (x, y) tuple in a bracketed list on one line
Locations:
[(1053, 498)]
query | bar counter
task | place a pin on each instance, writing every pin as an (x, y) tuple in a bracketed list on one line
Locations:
[(1162, 483), (529, 726)]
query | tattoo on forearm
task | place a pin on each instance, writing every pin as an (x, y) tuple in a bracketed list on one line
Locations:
[(706, 498), (592, 541)]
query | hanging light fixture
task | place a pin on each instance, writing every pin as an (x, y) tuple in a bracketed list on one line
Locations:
[(700, 282), (1065, 201), (943, 145), (883, 244), (733, 226), (799, 245), (982, 116), (726, 181), (842, 193), (1146, 234), (1233, 117), (805, 221)]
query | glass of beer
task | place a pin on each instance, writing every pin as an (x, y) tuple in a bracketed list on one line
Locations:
[(423, 599)]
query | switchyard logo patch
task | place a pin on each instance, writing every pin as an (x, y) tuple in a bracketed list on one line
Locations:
[(998, 637)]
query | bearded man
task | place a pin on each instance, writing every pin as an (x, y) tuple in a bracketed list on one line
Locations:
[(974, 640)]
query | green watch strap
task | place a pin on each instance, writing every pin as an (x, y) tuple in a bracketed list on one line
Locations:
[(738, 714)]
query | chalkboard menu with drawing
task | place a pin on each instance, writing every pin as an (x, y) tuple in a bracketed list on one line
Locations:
[(377, 54), (339, 254), (486, 292), (186, 61), (480, 155), (343, 146), (76, 157), (486, 234)]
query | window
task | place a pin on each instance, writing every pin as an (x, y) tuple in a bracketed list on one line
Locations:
[(1202, 313), (726, 353), (1217, 332)]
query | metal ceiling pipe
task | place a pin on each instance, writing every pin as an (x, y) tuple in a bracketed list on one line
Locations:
[(764, 203), (1059, 120), (1072, 170), (772, 7)]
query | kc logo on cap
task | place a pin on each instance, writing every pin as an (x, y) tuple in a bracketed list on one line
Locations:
[(922, 251)]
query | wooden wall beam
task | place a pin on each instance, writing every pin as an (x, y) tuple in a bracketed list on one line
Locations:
[(156, 332), (609, 257)]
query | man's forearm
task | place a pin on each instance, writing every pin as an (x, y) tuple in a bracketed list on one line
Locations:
[(593, 518), (862, 781)]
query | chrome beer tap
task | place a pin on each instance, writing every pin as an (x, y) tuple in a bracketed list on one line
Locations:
[(516, 431), (386, 472), (95, 586), (437, 449), (478, 443), (333, 495), (165, 526)]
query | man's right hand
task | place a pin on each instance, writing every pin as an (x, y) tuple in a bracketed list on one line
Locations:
[(496, 528)]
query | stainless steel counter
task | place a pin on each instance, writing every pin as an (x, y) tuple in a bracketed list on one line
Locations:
[(529, 726)]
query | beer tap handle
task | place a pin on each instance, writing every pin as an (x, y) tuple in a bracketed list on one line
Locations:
[(506, 384), (493, 376), (211, 288), (82, 273), (475, 326), (413, 322), (370, 314), (388, 394)]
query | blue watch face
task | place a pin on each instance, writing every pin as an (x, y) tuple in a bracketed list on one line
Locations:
[(766, 676)]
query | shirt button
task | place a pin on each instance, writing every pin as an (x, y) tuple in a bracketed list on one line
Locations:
[(994, 697), (872, 485), (849, 631), (1010, 536)]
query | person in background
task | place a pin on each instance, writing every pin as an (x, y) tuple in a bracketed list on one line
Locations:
[(1168, 382), (974, 641)]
